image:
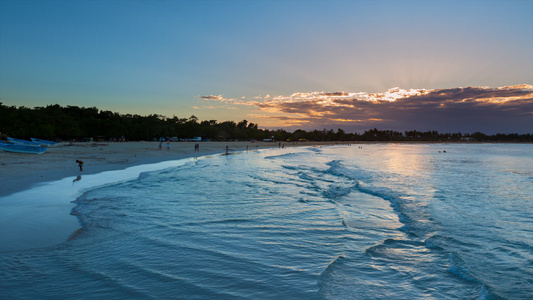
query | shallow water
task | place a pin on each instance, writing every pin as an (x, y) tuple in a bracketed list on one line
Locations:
[(385, 221)]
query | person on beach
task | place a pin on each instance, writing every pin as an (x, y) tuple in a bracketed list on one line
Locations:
[(227, 149), (168, 146), (80, 164), (160, 145)]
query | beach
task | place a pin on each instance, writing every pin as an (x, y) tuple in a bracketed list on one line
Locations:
[(20, 172), (306, 222), (37, 190)]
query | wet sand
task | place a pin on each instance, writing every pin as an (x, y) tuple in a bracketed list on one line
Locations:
[(19, 172)]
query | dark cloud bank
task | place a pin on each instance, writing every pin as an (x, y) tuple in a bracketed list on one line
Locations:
[(466, 110)]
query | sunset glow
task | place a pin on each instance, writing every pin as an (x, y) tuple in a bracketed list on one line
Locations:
[(399, 105), (435, 65)]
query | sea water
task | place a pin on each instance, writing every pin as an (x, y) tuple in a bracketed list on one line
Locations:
[(372, 221)]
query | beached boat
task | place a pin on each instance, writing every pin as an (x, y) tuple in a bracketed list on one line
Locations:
[(7, 147), (44, 143), (22, 142)]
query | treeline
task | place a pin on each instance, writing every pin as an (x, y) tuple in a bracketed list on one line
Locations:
[(73, 122), (375, 135)]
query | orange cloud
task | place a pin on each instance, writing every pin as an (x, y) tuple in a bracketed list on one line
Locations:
[(467, 109)]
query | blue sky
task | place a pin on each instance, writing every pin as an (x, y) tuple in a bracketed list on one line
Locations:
[(223, 60)]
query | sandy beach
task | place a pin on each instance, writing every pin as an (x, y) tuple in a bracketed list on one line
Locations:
[(20, 172)]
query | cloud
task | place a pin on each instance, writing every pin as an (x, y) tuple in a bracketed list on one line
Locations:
[(336, 94), (220, 98), (467, 109), (212, 97)]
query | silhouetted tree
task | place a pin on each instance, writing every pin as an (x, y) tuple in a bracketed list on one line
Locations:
[(55, 121)]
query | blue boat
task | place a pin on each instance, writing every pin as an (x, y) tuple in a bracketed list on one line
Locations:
[(44, 143), (7, 147), (22, 142)]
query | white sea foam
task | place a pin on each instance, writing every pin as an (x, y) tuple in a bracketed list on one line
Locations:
[(40, 216)]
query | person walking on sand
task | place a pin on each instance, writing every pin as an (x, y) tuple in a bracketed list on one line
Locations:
[(160, 145), (168, 146), (80, 164)]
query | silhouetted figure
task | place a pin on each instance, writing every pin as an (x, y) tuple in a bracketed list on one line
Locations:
[(80, 164)]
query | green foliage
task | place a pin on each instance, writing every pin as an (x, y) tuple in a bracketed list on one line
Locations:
[(73, 122)]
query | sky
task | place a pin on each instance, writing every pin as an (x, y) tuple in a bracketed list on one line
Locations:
[(451, 66)]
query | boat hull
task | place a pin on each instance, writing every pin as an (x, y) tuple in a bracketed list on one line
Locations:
[(44, 143), (22, 148), (22, 142)]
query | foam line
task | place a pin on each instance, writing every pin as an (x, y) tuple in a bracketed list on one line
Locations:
[(40, 217)]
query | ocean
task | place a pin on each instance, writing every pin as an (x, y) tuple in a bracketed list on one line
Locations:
[(360, 221)]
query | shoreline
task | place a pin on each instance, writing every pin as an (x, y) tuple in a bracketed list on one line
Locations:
[(37, 191), (37, 210), (20, 172)]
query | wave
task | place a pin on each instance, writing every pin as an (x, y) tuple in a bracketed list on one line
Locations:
[(457, 267), (285, 155), (222, 222), (306, 176), (144, 175), (337, 168), (338, 260), (315, 149), (336, 191), (414, 215), (400, 251)]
